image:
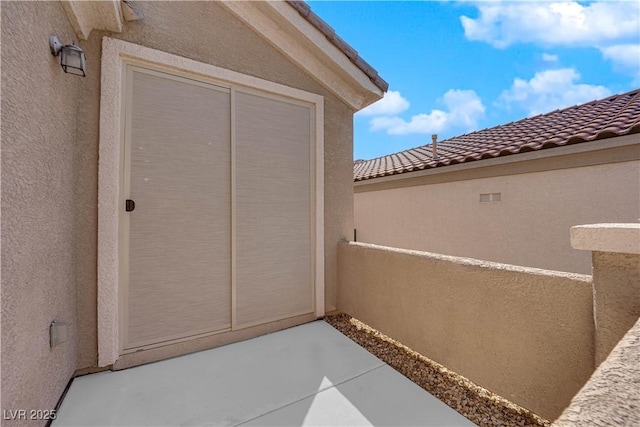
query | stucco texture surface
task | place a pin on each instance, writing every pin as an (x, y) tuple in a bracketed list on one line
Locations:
[(523, 333), (529, 226), (50, 139), (40, 206), (612, 394), (208, 33), (616, 277)]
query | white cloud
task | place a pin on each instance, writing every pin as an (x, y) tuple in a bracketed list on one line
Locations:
[(421, 123), (603, 25), (624, 55), (554, 23), (391, 104), (464, 108), (550, 90), (547, 57)]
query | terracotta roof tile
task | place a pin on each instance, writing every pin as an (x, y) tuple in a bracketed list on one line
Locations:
[(305, 11), (605, 118)]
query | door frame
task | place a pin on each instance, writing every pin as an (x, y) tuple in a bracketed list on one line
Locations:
[(116, 55)]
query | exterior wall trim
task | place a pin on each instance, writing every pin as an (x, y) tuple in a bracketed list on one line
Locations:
[(620, 238), (115, 53), (611, 150)]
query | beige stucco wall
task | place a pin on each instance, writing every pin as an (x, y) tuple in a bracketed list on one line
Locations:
[(49, 174), (41, 167), (529, 226), (525, 334), (617, 298), (616, 279), (612, 394)]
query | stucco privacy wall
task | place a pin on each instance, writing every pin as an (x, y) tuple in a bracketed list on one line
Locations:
[(529, 226), (523, 333), (207, 32), (612, 394), (617, 298), (616, 279), (41, 164)]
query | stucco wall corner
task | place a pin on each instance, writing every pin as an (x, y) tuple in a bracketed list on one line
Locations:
[(612, 394), (616, 279), (338, 195)]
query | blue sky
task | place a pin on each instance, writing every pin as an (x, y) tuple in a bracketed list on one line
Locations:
[(458, 66)]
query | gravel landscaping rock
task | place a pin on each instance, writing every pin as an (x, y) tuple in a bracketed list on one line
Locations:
[(479, 405)]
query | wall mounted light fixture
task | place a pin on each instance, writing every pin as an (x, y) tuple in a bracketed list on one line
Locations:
[(72, 58)]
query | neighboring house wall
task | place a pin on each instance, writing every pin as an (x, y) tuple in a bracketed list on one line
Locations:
[(50, 126), (525, 334), (540, 199), (41, 163)]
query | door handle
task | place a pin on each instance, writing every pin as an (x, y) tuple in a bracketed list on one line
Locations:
[(129, 205)]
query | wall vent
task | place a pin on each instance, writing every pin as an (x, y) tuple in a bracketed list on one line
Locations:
[(490, 197)]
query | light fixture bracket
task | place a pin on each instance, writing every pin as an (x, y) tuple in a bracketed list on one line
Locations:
[(55, 45)]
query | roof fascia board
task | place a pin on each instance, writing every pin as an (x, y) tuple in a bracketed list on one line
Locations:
[(412, 178), (283, 27), (86, 15)]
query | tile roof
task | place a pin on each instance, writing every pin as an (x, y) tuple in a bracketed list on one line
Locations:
[(609, 117), (305, 10)]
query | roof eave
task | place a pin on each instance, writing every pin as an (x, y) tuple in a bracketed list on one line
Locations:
[(617, 142), (283, 26), (86, 16)]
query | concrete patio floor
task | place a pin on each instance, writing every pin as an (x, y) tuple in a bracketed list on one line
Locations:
[(307, 375)]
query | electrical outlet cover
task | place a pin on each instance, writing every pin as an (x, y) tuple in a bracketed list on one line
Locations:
[(58, 333)]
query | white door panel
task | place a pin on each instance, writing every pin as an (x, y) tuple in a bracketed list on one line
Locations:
[(180, 181)]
